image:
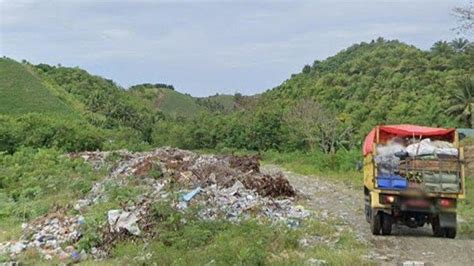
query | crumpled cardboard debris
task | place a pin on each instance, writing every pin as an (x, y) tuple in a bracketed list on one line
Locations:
[(119, 220)]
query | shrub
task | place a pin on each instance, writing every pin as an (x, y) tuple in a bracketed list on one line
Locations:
[(40, 131), (33, 180)]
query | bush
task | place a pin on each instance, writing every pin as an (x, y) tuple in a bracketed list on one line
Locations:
[(40, 131), (33, 180), (124, 138), (9, 134)]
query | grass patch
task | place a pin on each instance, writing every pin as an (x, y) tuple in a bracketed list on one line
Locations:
[(184, 239), (168, 101), (339, 166), (466, 209), (33, 182), (22, 92)]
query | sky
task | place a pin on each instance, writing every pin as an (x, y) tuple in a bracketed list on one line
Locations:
[(208, 47)]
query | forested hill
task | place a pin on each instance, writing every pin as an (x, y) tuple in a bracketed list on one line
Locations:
[(330, 105), (384, 82)]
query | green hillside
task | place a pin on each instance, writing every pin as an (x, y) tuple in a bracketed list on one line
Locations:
[(332, 104), (167, 100), (22, 91), (225, 103), (383, 82), (219, 103), (106, 104)]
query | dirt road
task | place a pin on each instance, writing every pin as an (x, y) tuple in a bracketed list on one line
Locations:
[(331, 199)]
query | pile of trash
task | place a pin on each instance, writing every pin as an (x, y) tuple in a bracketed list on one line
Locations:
[(225, 187), (48, 234), (189, 170), (237, 202)]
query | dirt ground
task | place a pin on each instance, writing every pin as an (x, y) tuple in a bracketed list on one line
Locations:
[(331, 199)]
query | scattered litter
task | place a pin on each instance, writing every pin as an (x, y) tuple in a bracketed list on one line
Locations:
[(46, 234), (190, 195), (119, 220), (317, 262), (17, 247), (10, 263), (413, 263)]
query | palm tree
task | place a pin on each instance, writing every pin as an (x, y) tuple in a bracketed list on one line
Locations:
[(459, 44), (462, 101), (441, 47)]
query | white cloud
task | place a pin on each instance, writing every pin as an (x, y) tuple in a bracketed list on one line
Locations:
[(206, 45)]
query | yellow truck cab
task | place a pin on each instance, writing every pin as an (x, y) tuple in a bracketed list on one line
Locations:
[(413, 175)]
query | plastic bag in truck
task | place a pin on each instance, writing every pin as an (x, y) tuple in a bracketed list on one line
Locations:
[(423, 147)]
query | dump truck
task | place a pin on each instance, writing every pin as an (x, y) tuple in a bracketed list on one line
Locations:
[(413, 176)]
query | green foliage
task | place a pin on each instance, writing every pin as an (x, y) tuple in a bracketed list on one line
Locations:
[(200, 242), (22, 92), (221, 103), (156, 171), (341, 165), (266, 131), (151, 86), (91, 235), (466, 209), (241, 130), (462, 101), (124, 138), (39, 131), (104, 97), (183, 239), (168, 101), (382, 82), (341, 161), (33, 181)]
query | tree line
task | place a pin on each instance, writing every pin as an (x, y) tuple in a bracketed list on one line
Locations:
[(331, 105)]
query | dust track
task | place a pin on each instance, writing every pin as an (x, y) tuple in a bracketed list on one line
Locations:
[(332, 199)]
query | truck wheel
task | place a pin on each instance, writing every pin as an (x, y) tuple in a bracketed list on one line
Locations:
[(437, 230), (375, 223), (450, 232), (367, 212), (386, 224), (367, 208)]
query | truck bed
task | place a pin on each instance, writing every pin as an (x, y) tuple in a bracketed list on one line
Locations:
[(426, 175)]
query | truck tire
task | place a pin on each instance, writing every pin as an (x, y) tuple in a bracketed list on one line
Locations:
[(386, 224), (375, 223), (450, 232), (367, 212), (367, 209), (438, 231)]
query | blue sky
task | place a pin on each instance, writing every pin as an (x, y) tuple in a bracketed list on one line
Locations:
[(208, 47)]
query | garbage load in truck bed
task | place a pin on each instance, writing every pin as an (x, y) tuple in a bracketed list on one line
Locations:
[(408, 164)]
